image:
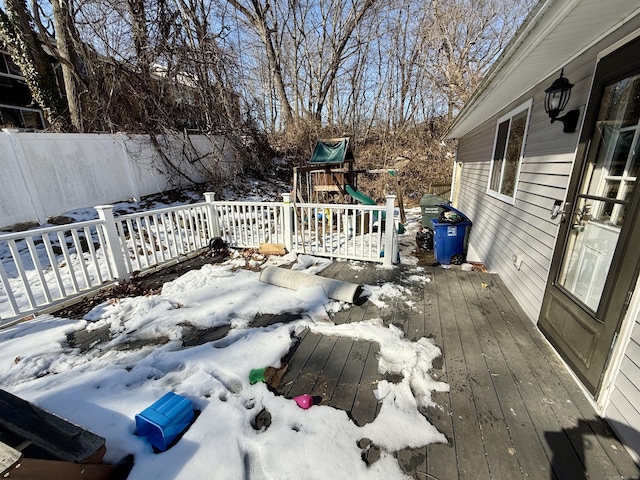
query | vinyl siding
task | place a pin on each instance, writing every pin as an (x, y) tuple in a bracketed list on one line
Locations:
[(500, 229)]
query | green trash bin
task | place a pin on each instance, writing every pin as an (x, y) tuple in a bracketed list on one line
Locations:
[(430, 209)]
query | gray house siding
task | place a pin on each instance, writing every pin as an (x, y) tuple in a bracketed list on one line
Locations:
[(501, 230)]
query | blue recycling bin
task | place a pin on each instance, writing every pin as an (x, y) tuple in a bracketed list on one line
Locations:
[(450, 237)]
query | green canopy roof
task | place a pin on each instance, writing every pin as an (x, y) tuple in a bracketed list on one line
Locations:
[(332, 151)]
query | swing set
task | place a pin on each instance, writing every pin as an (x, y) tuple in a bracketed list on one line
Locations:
[(330, 176)]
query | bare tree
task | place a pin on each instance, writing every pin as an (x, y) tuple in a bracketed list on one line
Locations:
[(393, 73), (307, 46), (260, 15), (66, 46), (462, 38)]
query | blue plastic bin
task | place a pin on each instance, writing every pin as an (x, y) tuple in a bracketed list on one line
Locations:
[(450, 239), (164, 420)]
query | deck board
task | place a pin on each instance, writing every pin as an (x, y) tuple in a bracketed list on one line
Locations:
[(571, 427), (490, 363), (332, 369), (365, 404), (345, 392), (441, 459), (465, 379), (297, 362)]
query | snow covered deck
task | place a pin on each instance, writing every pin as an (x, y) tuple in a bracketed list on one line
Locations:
[(513, 410)]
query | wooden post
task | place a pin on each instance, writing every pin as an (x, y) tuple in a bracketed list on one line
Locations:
[(403, 216)]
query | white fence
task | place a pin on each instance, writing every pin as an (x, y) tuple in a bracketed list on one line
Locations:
[(40, 269), (47, 174)]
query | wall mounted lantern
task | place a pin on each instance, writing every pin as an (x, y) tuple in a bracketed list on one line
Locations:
[(556, 98)]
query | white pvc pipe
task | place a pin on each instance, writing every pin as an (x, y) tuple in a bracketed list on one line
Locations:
[(335, 289)]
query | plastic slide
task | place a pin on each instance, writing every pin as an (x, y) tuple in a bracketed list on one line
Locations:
[(359, 196)]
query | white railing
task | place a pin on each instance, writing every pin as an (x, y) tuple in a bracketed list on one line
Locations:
[(340, 231), (44, 267), (248, 224), (156, 237)]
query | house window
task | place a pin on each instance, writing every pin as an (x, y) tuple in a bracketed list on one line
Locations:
[(18, 117), (8, 67), (507, 153)]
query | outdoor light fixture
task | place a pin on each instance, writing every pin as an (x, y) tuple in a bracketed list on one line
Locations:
[(556, 98)]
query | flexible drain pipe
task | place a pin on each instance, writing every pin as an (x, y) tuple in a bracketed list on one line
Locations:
[(335, 289)]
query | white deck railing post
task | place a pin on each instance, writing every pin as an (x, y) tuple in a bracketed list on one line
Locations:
[(288, 221), (214, 224), (388, 232), (113, 244)]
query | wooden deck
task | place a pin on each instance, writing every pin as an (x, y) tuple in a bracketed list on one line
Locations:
[(513, 410)]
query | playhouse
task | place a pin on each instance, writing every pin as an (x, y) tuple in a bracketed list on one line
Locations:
[(329, 171), (330, 176)]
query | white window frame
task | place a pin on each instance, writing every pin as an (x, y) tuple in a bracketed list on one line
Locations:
[(25, 109), (7, 74), (526, 106)]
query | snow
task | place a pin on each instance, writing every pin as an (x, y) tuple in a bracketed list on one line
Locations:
[(103, 388)]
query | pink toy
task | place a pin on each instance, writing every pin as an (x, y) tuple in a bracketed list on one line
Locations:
[(304, 401)]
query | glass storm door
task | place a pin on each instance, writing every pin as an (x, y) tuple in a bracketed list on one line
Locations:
[(596, 259)]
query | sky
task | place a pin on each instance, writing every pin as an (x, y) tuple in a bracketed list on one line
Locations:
[(103, 389)]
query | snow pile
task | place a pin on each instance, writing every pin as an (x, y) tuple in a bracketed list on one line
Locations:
[(102, 389), (310, 264), (378, 294)]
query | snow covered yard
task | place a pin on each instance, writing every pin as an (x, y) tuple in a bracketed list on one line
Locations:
[(104, 387)]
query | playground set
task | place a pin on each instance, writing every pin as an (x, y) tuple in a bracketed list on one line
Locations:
[(330, 176)]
